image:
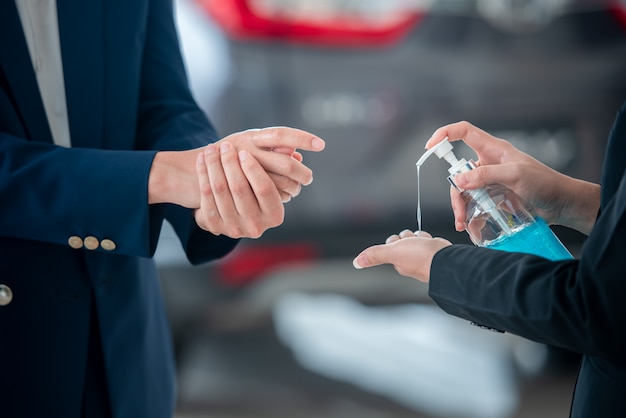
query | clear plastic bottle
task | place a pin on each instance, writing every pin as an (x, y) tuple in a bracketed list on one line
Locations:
[(498, 218)]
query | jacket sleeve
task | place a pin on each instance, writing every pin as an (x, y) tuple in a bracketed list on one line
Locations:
[(170, 119), (50, 193), (576, 304)]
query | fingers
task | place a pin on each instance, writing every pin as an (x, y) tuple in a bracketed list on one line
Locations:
[(284, 165), (280, 160), (407, 234), (392, 238), (207, 216), (297, 156), (284, 150), (288, 188), (276, 149), (479, 140), (507, 174), (238, 198), (229, 186), (268, 198), (232, 192), (279, 137), (289, 151), (458, 208)]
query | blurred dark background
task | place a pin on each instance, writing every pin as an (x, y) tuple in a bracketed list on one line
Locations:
[(284, 326)]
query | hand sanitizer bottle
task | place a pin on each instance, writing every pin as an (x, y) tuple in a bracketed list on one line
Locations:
[(498, 218)]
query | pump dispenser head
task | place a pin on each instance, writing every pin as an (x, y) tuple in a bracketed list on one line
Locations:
[(444, 150), (441, 149)]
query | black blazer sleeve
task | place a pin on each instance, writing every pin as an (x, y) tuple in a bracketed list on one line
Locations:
[(578, 304)]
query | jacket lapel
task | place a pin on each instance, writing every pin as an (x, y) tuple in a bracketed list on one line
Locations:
[(18, 69), (81, 27)]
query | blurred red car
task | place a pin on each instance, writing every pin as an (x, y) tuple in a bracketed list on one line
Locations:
[(375, 78)]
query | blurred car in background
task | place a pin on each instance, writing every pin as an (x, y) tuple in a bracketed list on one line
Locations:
[(374, 78)]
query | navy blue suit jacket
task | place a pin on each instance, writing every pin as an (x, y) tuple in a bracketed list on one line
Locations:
[(127, 97), (577, 305)]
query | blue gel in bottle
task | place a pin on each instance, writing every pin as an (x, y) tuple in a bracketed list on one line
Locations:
[(535, 238)]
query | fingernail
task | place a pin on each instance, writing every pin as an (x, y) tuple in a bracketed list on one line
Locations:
[(200, 159), (243, 155), (429, 139), (210, 149), (359, 262), (318, 144), (225, 147)]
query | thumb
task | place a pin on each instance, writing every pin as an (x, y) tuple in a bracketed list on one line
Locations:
[(370, 257), (480, 177)]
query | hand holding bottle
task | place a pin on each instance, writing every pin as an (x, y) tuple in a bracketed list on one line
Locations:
[(555, 197)]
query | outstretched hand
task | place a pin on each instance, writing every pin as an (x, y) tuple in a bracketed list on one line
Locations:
[(410, 253)]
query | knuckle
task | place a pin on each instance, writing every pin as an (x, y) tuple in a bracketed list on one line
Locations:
[(220, 187), (206, 190), (465, 125), (206, 223), (251, 227), (256, 231), (235, 232), (265, 190), (278, 216), (239, 189)]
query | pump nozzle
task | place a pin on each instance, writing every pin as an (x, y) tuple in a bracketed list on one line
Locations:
[(442, 149)]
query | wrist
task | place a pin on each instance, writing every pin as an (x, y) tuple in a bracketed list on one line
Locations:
[(158, 188), (172, 179), (581, 210)]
